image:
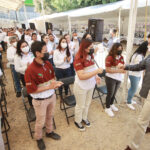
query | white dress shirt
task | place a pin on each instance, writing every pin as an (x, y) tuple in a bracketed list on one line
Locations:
[(58, 59), (11, 52)]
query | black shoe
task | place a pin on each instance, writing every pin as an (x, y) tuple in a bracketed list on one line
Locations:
[(53, 135), (18, 94), (41, 144), (79, 126), (147, 130), (87, 123), (128, 148)]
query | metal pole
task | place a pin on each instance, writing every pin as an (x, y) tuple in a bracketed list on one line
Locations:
[(69, 25), (119, 22), (25, 13), (130, 38)]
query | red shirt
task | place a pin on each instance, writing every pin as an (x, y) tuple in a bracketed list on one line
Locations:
[(79, 65), (37, 74), (110, 62)]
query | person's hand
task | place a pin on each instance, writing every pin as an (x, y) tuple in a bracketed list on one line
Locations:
[(28, 64), (95, 50), (99, 70), (68, 59), (120, 66), (65, 59), (51, 53), (98, 80), (55, 84), (122, 71)]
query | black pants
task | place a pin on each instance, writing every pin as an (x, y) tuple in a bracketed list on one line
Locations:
[(3, 45), (24, 84), (112, 87), (63, 73)]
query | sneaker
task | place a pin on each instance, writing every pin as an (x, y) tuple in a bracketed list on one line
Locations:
[(134, 102), (109, 112), (79, 126), (41, 144), (113, 107), (87, 123), (128, 148), (148, 130), (131, 106), (53, 135), (18, 94)]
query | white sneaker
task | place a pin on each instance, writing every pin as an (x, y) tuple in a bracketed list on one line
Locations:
[(109, 112), (134, 102), (131, 106), (113, 107)]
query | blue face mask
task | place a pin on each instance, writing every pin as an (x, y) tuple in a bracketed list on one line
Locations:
[(45, 57)]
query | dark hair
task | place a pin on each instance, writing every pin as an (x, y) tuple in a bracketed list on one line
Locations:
[(37, 47), (19, 52), (82, 54), (43, 36), (114, 31), (85, 35), (114, 50), (148, 36), (65, 35), (59, 47), (34, 34), (142, 49), (50, 34)]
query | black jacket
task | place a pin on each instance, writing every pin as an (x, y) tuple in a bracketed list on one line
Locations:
[(143, 65)]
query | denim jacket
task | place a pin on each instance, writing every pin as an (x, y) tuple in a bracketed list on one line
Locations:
[(143, 65)]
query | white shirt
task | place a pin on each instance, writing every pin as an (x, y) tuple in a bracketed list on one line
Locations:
[(89, 83), (21, 62), (19, 34), (76, 45), (58, 59), (136, 58), (71, 48), (2, 36), (50, 47), (27, 38), (11, 52), (112, 41)]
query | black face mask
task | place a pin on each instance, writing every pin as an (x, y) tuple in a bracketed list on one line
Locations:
[(119, 52), (91, 51), (45, 57)]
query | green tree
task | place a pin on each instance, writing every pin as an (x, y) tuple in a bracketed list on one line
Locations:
[(64, 5)]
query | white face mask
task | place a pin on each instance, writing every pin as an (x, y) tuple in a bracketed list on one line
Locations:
[(25, 49), (75, 37), (63, 45), (15, 44)]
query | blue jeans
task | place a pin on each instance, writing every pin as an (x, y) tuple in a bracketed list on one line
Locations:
[(63, 73), (134, 85), (16, 78)]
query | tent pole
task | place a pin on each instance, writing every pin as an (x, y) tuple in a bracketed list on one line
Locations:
[(42, 5), (25, 13), (130, 39), (69, 25), (119, 22)]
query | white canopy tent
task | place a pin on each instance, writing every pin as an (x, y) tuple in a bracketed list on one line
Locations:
[(109, 12)]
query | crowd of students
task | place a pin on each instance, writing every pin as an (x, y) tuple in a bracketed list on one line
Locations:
[(40, 60)]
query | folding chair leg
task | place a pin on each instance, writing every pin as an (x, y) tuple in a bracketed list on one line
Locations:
[(30, 130), (93, 94), (66, 113), (101, 100), (54, 123)]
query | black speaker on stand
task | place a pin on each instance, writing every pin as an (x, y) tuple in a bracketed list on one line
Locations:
[(32, 26), (23, 26), (96, 28), (48, 25)]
